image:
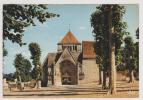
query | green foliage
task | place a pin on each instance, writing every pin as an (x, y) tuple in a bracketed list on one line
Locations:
[(18, 62), (137, 51), (120, 56), (137, 56), (121, 67), (35, 53), (120, 61), (129, 47), (23, 68), (9, 77), (36, 73), (100, 23), (5, 52), (99, 62), (35, 56), (17, 17), (130, 53), (137, 33)]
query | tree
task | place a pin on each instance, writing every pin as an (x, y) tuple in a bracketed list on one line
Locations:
[(35, 56), (35, 53), (100, 66), (109, 29), (137, 33), (23, 67), (27, 70), (120, 61), (35, 72), (4, 52), (17, 17), (9, 77), (18, 63), (130, 57), (100, 43), (137, 52)]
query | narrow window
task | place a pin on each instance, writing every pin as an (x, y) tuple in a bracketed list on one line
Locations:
[(76, 48)]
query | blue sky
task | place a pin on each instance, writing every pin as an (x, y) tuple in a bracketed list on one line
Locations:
[(47, 35)]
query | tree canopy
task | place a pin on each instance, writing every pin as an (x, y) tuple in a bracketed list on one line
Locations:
[(137, 33), (4, 52), (99, 22), (35, 53), (131, 56), (17, 17), (23, 68), (35, 56), (109, 30)]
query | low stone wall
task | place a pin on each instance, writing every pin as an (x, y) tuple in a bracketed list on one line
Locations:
[(92, 77), (122, 76)]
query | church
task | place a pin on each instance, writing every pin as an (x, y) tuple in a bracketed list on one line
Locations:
[(73, 64)]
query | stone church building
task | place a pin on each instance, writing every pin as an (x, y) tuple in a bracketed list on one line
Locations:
[(74, 63)]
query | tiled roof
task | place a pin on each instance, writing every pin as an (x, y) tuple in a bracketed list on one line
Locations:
[(88, 50), (69, 39)]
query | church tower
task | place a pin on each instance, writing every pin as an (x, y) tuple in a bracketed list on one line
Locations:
[(69, 41), (73, 63)]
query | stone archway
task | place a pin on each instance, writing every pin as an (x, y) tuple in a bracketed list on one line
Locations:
[(68, 73)]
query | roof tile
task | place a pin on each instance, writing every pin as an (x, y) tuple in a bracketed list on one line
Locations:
[(69, 39), (88, 50)]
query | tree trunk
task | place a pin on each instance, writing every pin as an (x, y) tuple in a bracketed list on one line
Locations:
[(52, 75), (38, 82), (111, 55), (104, 86), (109, 73), (100, 76), (131, 75), (20, 83), (113, 72)]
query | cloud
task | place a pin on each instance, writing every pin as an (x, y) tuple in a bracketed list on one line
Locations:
[(82, 28)]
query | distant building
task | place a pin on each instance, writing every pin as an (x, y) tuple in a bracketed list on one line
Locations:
[(74, 63)]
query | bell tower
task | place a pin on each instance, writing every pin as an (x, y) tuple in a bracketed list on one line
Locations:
[(69, 41)]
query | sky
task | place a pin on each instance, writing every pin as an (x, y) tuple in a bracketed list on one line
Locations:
[(74, 17)]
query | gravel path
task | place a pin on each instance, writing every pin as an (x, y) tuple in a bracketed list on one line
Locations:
[(124, 89)]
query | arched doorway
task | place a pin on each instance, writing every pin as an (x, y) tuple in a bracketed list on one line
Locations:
[(68, 73)]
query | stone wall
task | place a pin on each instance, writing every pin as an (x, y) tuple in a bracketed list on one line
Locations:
[(122, 76), (91, 71)]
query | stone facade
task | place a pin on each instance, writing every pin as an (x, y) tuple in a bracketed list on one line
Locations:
[(90, 70), (74, 63)]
